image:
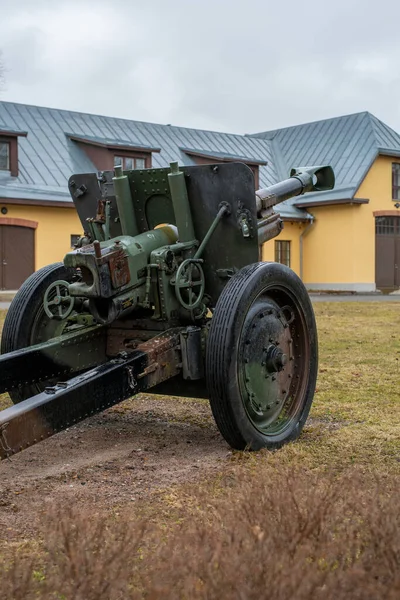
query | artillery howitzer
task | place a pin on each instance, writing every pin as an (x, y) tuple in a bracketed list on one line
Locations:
[(165, 292)]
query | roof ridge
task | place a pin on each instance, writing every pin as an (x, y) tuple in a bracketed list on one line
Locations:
[(375, 122), (307, 123)]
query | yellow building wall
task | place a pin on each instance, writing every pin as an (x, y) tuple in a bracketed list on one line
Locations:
[(53, 234), (328, 246), (291, 233), (340, 247)]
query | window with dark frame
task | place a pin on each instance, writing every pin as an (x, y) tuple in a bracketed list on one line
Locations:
[(282, 252), (4, 156), (396, 181), (129, 163), (74, 239)]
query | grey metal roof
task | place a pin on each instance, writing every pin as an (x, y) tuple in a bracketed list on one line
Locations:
[(48, 157), (350, 144)]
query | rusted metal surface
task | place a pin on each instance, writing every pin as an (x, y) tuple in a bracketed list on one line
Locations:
[(127, 334), (164, 357), (119, 268)]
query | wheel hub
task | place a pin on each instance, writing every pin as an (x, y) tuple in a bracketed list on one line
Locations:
[(275, 359), (269, 368)]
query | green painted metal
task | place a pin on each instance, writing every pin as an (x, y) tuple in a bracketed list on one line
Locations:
[(60, 305), (107, 223), (183, 217), (124, 203), (136, 250), (222, 211), (72, 351)]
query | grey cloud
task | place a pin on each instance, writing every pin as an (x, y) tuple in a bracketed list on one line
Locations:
[(226, 65)]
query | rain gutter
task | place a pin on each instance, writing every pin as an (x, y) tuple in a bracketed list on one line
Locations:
[(306, 230)]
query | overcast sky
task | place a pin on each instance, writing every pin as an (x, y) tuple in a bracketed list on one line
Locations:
[(229, 65)]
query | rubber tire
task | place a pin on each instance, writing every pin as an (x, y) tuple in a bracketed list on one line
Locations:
[(21, 316), (222, 354)]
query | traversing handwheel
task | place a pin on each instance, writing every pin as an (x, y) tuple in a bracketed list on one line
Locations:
[(262, 357)]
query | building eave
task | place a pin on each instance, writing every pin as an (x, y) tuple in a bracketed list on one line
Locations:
[(30, 202), (222, 156), (389, 152), (314, 203), (112, 145), (9, 132)]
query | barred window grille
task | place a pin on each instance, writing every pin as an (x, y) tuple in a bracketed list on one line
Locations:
[(4, 156), (396, 181), (282, 252), (387, 225)]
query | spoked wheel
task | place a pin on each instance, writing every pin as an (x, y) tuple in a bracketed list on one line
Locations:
[(27, 323), (191, 281), (262, 357)]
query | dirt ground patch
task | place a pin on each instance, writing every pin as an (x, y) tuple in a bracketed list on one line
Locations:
[(113, 459)]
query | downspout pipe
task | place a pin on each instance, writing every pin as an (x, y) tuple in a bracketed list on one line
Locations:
[(306, 230)]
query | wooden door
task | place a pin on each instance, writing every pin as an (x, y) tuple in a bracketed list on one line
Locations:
[(17, 255), (387, 253)]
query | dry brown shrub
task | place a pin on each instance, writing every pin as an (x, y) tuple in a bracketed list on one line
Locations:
[(285, 535), (291, 535), (85, 557)]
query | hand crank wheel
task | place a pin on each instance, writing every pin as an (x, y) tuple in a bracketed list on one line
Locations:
[(185, 280), (262, 357), (57, 302)]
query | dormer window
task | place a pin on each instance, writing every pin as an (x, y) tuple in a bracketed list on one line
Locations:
[(106, 154), (4, 156)]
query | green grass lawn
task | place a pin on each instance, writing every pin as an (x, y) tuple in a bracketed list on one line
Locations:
[(359, 384)]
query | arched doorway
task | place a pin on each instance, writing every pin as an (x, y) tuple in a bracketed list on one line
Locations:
[(17, 252), (387, 252)]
